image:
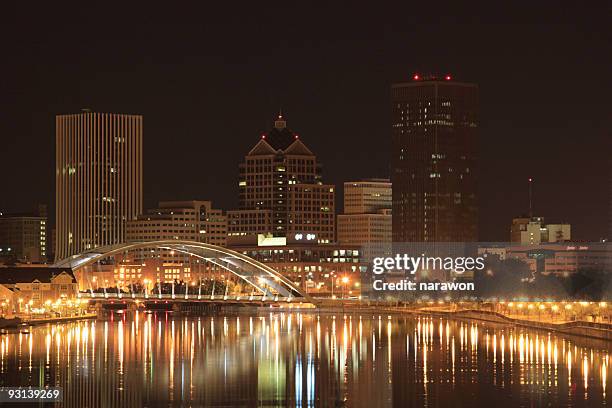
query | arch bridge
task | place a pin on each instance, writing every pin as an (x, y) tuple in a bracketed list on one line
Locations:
[(266, 284)]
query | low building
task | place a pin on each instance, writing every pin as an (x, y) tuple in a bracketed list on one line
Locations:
[(173, 220), (499, 251), (35, 286), (367, 230), (533, 231), (185, 220), (23, 237), (177, 220), (126, 273), (562, 259), (322, 270), (367, 219)]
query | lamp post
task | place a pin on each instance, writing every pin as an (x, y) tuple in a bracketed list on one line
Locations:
[(146, 288), (345, 281), (333, 279)]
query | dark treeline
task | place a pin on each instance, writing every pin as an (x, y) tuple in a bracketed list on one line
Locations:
[(512, 278)]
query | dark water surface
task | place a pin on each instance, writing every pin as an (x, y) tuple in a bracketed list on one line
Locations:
[(292, 359)]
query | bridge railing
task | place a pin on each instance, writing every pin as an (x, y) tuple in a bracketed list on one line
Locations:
[(168, 296)]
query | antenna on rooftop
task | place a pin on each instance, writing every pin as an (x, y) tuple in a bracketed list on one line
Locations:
[(530, 197)]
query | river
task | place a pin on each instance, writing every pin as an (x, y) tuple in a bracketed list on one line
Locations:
[(303, 360)]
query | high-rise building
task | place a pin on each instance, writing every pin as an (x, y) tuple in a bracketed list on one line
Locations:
[(367, 216), (434, 160), (610, 197), (533, 230), (98, 179), (281, 193), (23, 237)]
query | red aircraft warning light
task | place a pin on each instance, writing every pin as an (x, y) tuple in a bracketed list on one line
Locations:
[(416, 77), (448, 77)]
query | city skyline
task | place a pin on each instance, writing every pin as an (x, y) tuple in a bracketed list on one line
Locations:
[(542, 115), (298, 204)]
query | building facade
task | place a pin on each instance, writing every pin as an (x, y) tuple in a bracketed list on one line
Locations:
[(563, 259), (180, 220), (173, 220), (434, 159), (98, 179), (365, 229), (23, 237), (280, 190), (533, 231), (34, 286), (322, 270), (367, 220), (367, 196)]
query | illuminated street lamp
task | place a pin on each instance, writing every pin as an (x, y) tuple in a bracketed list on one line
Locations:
[(345, 281)]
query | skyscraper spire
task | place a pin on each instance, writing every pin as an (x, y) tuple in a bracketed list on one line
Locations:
[(280, 123), (530, 198)]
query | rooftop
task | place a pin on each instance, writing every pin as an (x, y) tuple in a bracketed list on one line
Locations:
[(26, 274), (280, 137)]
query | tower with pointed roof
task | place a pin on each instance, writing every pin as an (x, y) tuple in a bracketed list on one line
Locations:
[(281, 193)]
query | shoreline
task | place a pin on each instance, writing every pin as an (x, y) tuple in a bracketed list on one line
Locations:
[(38, 322), (578, 328)]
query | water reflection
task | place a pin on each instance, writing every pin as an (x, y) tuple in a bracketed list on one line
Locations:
[(304, 360)]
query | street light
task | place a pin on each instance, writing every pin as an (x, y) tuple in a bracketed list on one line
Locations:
[(345, 280)]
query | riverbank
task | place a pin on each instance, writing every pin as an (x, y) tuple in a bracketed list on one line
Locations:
[(601, 331), (36, 322), (578, 328)]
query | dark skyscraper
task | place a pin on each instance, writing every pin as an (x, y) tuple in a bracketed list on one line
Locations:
[(434, 160)]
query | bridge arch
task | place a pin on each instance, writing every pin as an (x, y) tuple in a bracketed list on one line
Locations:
[(258, 275)]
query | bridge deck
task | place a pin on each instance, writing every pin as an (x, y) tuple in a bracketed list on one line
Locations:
[(189, 298)]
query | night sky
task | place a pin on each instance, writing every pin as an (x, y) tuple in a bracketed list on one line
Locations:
[(210, 78)]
